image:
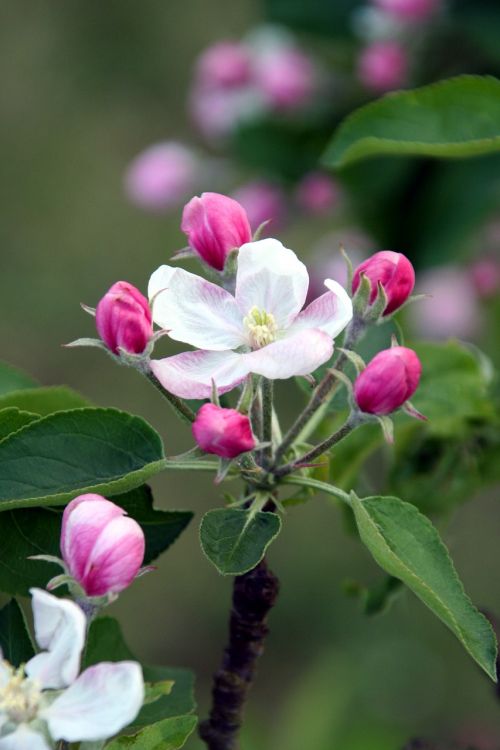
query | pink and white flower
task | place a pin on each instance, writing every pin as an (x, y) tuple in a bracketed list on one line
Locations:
[(93, 706), (262, 329)]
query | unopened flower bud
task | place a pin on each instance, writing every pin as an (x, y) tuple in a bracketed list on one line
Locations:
[(123, 319), (390, 379), (102, 548), (383, 66), (162, 176), (225, 432), (215, 225), (394, 271)]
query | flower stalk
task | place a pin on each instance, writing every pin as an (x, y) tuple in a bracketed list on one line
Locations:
[(179, 406)]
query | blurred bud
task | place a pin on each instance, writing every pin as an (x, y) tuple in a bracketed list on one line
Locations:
[(225, 432), (409, 10), (451, 307), (217, 112), (383, 66), (224, 65), (287, 77), (160, 177), (390, 379), (215, 224), (485, 275), (103, 549), (394, 271), (318, 193), (262, 202), (123, 319)]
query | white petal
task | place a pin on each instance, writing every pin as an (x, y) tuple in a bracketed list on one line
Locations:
[(299, 354), (330, 313), (272, 278), (5, 672), (194, 310), (101, 702), (23, 738), (190, 375), (60, 629)]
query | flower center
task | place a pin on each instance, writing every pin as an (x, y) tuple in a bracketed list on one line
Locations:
[(261, 327), (19, 696)]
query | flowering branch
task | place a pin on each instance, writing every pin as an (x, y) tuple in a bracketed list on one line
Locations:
[(179, 406)]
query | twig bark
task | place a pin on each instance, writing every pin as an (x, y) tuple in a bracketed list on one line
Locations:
[(254, 595)]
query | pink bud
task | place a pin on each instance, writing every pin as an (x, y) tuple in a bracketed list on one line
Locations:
[(409, 10), (318, 193), (225, 432), (224, 65), (383, 66), (123, 319), (161, 177), (103, 549), (262, 202), (286, 77), (395, 273), (215, 224), (390, 379)]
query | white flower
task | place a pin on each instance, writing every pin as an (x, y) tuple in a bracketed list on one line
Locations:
[(94, 706), (262, 329)]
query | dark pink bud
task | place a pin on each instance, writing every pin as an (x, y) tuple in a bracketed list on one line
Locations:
[(123, 319), (224, 65), (383, 66), (390, 379), (395, 273), (103, 549), (225, 432), (215, 224)]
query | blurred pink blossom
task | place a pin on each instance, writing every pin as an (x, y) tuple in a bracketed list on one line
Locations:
[(485, 275), (383, 66), (160, 177), (263, 201), (318, 193), (409, 10), (287, 77), (224, 65)]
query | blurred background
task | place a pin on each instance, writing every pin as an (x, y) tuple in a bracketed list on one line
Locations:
[(112, 115)]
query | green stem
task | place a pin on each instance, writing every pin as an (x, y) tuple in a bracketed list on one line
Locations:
[(315, 484), (181, 409), (267, 417)]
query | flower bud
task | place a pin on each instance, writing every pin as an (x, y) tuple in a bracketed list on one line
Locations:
[(383, 66), (318, 193), (394, 271), (224, 65), (123, 319), (390, 379), (102, 548), (263, 202), (225, 432), (287, 77), (215, 225), (409, 10), (162, 176)]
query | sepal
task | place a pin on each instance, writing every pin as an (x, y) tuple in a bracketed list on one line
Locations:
[(387, 428)]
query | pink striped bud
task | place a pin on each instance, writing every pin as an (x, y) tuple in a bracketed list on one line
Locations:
[(318, 193), (409, 10), (215, 224), (103, 549), (394, 271), (224, 65), (383, 66), (225, 432), (123, 319), (390, 379)]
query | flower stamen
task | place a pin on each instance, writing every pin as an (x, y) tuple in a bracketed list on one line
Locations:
[(261, 327)]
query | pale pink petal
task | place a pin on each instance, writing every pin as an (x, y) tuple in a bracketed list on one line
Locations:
[(298, 354), (23, 738), (115, 558), (190, 374), (101, 702), (60, 629), (194, 310), (330, 313), (271, 278)]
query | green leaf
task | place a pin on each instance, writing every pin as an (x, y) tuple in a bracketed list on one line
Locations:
[(44, 401), (16, 645), (459, 117), (235, 540), (168, 734), (12, 379), (83, 450), (407, 546), (36, 531), (12, 419)]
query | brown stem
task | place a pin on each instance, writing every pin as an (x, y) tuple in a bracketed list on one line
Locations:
[(421, 744), (254, 595)]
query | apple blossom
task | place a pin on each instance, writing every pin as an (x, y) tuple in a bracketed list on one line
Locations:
[(123, 319), (383, 66), (224, 432), (34, 713), (394, 271), (262, 329), (102, 548), (215, 224), (389, 379)]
